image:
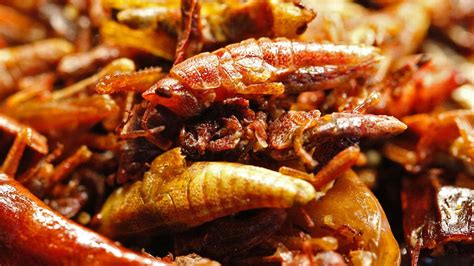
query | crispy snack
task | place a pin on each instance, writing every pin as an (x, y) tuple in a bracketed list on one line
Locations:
[(138, 81), (16, 27), (241, 132), (80, 64), (29, 59), (221, 22), (149, 40), (344, 213), (259, 67), (174, 197), (31, 224), (435, 215), (69, 114), (392, 29), (257, 18)]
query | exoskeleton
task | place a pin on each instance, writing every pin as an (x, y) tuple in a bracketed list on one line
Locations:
[(259, 67)]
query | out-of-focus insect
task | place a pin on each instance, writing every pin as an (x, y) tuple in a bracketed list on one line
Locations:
[(222, 22), (9, 126), (17, 27), (29, 59), (69, 111), (446, 133), (392, 28), (84, 63), (24, 137), (69, 114), (175, 197), (259, 67), (34, 234)]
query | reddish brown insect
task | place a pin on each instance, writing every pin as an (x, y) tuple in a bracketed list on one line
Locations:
[(29, 59), (33, 234), (259, 67)]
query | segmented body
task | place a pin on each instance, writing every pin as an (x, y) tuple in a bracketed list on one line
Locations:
[(68, 113), (33, 234), (256, 67), (30, 59), (174, 197), (137, 81), (307, 130)]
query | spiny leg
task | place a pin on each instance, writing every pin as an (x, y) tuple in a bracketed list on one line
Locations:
[(340, 163), (10, 165)]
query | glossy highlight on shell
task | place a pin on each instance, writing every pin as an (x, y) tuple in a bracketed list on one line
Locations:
[(260, 66), (173, 196), (236, 132)]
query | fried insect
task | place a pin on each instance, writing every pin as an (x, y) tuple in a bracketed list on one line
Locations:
[(436, 215), (311, 110), (138, 81), (190, 40), (418, 86), (448, 134), (121, 65), (333, 230), (157, 43), (392, 28), (240, 133), (29, 59), (352, 214), (12, 161), (59, 20), (68, 114), (80, 64), (236, 21), (296, 132), (38, 87), (161, 17), (342, 162), (41, 178), (259, 67), (455, 20), (71, 112), (16, 27), (224, 22), (174, 197), (27, 224)]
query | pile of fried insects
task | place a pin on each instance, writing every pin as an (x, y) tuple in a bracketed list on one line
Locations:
[(233, 132)]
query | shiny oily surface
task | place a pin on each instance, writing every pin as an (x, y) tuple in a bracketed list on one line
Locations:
[(35, 232), (262, 66), (350, 204), (173, 197)]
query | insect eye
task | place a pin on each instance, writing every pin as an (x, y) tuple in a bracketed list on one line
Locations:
[(164, 92)]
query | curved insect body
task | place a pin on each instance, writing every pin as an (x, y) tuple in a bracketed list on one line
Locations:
[(175, 197), (259, 67), (29, 59), (33, 234)]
